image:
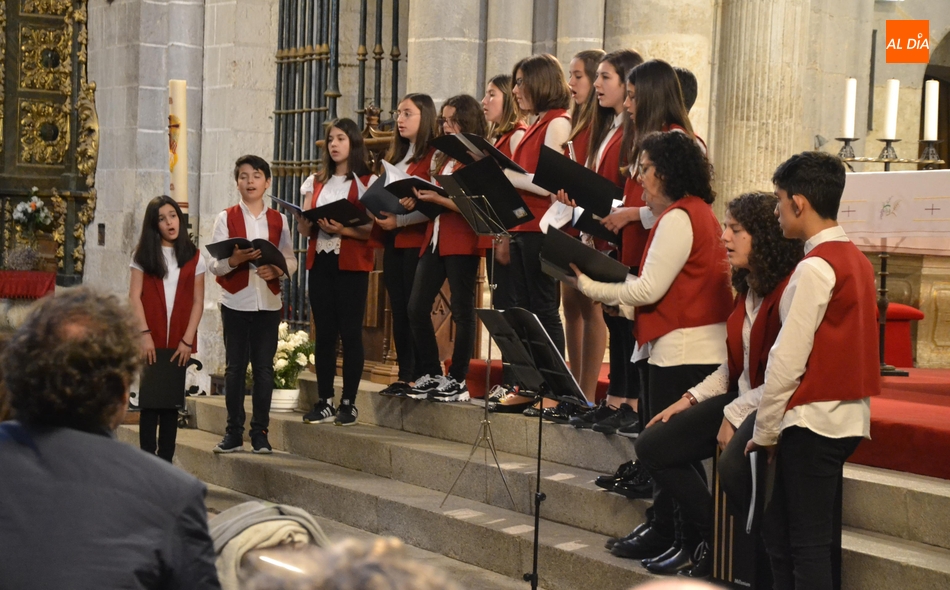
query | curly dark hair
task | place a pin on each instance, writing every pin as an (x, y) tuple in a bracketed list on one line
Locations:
[(680, 165), (71, 362), (773, 256)]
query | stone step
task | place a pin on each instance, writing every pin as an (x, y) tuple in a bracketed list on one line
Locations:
[(220, 499), (485, 536), (573, 499)]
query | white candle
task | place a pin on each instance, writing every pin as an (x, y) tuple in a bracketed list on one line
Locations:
[(178, 142), (890, 118), (850, 98), (931, 100)]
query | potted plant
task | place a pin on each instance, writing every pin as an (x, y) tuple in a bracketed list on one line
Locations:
[(29, 217), (294, 353)]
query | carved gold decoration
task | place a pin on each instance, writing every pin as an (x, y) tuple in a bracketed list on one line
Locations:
[(87, 152), (3, 55), (7, 222), (45, 58), (46, 7), (59, 226), (79, 16), (83, 218), (44, 132)]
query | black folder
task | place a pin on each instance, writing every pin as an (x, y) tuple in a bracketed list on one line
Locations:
[(162, 386), (585, 187), (455, 147), (269, 252), (486, 185), (287, 205), (589, 223), (560, 250), (381, 197), (343, 212)]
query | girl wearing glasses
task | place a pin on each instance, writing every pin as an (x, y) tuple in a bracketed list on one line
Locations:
[(403, 235), (452, 251)]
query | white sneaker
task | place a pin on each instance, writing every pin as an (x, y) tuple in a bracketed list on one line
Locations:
[(450, 391), (426, 385)]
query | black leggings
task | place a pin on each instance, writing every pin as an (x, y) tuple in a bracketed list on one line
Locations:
[(338, 303), (165, 421), (399, 272)]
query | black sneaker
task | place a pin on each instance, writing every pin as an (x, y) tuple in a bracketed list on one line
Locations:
[(230, 443), (450, 391), (396, 389), (625, 416), (592, 416), (260, 443), (631, 430), (321, 413), (426, 385), (346, 414)]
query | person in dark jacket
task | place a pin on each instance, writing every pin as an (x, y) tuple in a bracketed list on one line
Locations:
[(79, 508)]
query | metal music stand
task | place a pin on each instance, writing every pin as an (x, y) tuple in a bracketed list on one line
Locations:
[(535, 361)]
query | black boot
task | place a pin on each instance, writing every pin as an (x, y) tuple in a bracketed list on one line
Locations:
[(649, 543), (634, 533), (702, 562), (679, 561), (677, 545)]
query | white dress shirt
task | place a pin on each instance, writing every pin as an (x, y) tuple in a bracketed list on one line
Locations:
[(257, 296), (668, 253), (436, 226), (802, 309), (335, 189)]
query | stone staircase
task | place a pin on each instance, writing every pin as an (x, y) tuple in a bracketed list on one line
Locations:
[(389, 474)]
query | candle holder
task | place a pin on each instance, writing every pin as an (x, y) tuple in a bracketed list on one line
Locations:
[(930, 150), (846, 151), (888, 153)]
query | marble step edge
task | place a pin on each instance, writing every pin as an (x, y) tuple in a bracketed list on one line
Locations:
[(573, 499), (485, 536)]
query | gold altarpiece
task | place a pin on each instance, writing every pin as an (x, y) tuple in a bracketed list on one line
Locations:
[(50, 130)]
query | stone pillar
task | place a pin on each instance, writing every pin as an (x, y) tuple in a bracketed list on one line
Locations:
[(759, 114), (580, 26), (509, 35), (544, 27), (446, 48)]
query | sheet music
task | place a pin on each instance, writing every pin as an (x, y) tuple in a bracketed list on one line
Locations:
[(392, 174)]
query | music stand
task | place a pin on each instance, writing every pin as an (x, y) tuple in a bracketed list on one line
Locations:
[(484, 219), (535, 360)]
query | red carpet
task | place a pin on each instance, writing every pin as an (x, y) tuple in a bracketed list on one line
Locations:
[(910, 421)]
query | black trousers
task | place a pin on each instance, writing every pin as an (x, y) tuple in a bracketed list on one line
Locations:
[(624, 376), (735, 474), (660, 387), (165, 421), (670, 452), (533, 290), (338, 303), (462, 273), (399, 272), (249, 336), (798, 524)]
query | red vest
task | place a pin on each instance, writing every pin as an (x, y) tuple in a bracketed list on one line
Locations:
[(237, 279), (633, 236), (526, 155), (765, 330), (503, 143), (167, 334), (701, 293), (844, 364), (355, 255), (581, 146), (609, 166), (456, 236)]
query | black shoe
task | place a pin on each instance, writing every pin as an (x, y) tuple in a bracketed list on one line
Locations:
[(649, 543), (702, 562), (450, 391), (396, 389), (679, 561), (626, 471), (533, 411), (346, 414), (663, 556), (561, 413), (592, 416), (640, 487), (321, 413), (260, 443), (631, 430), (230, 443), (634, 533), (624, 416)]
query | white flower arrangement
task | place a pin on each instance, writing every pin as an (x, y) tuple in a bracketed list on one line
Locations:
[(32, 214), (294, 353)]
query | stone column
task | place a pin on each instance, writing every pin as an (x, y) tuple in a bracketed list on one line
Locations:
[(446, 49), (544, 27), (580, 26), (761, 70), (509, 35)]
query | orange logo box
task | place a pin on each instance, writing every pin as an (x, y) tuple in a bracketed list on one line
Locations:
[(908, 42)]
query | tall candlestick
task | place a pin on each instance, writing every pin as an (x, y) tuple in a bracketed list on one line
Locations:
[(850, 99), (931, 101), (178, 142), (890, 119)]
